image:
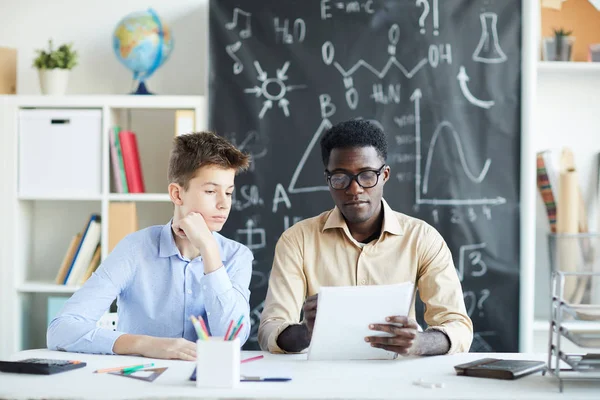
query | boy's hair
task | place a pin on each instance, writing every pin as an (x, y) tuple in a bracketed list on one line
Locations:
[(353, 133), (199, 149)]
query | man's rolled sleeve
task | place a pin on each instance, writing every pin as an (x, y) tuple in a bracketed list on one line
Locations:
[(441, 291), (285, 296)]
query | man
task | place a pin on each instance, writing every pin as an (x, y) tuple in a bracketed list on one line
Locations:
[(362, 241)]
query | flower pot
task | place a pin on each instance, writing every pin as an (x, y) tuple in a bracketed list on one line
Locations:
[(561, 50), (54, 81)]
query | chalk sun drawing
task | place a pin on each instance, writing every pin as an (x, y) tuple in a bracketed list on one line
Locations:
[(273, 89)]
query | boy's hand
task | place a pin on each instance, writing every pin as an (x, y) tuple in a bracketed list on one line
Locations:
[(196, 230), (155, 347)]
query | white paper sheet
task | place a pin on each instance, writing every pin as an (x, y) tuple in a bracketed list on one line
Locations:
[(344, 314)]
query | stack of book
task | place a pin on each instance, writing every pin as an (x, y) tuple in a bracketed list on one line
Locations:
[(82, 256), (125, 158)]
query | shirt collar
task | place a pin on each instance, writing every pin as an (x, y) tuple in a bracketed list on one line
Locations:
[(390, 221), (167, 242)]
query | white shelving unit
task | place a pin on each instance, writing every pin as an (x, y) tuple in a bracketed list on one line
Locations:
[(566, 116), (571, 66), (42, 226)]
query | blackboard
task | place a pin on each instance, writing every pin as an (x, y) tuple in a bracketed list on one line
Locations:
[(443, 80)]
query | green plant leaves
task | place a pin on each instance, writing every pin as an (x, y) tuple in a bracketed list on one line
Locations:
[(64, 57)]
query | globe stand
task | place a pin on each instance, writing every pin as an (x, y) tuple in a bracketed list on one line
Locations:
[(142, 89)]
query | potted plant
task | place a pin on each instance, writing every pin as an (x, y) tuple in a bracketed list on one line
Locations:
[(54, 67), (559, 47)]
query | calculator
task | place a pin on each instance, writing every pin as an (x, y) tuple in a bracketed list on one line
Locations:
[(40, 366)]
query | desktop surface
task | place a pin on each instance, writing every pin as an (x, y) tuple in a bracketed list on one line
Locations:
[(385, 379)]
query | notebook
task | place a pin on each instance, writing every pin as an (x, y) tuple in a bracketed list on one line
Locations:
[(500, 369)]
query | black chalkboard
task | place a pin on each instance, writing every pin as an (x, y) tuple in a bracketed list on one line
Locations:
[(443, 80)]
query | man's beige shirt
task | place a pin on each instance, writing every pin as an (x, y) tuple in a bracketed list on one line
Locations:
[(320, 251)]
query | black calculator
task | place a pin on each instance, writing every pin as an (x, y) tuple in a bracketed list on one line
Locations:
[(40, 366)]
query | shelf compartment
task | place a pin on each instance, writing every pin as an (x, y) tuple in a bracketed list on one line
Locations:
[(45, 287), (149, 197)]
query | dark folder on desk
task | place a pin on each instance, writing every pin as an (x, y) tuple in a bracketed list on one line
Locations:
[(500, 369)]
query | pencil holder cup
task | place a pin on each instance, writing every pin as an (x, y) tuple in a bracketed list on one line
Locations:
[(218, 363)]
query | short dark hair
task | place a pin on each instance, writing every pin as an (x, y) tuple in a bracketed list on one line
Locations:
[(198, 149), (353, 133)]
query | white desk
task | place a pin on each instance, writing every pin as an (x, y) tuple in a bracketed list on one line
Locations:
[(310, 380)]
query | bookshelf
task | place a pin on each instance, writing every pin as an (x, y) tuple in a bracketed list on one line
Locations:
[(38, 227), (568, 66), (566, 116)]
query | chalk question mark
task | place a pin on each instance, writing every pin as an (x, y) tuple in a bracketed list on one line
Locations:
[(485, 293), (425, 5)]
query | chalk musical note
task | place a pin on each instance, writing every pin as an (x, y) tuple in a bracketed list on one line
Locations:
[(231, 49), (244, 33)]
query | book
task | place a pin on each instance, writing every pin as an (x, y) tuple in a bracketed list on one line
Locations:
[(122, 220), (185, 120), (499, 369), (68, 259), (119, 155), (94, 264), (85, 251), (547, 185), (131, 160), (114, 158)]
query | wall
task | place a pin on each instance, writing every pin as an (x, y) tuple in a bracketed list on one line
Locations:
[(28, 24), (579, 16)]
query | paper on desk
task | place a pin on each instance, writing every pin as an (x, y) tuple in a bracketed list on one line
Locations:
[(344, 314)]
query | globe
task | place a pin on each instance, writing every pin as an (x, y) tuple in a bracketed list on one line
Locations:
[(142, 42)]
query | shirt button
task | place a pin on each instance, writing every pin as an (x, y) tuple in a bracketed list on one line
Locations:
[(204, 287), (208, 314), (363, 282), (189, 291)]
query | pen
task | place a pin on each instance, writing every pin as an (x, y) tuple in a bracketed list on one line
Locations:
[(131, 370), (100, 371), (261, 379)]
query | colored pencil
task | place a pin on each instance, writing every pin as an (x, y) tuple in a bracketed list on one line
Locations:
[(237, 326), (252, 359), (101, 371), (237, 332), (204, 328), (228, 330), (199, 331)]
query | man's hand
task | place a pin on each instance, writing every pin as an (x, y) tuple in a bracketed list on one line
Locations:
[(310, 313), (195, 229), (296, 338), (403, 337), (154, 347)]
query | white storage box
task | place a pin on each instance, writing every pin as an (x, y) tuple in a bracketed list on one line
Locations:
[(60, 153)]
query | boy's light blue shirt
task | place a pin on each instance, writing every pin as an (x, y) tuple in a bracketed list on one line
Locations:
[(157, 290)]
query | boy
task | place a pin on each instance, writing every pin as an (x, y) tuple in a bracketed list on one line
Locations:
[(163, 274)]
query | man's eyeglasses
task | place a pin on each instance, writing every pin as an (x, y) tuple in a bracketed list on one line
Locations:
[(342, 180)]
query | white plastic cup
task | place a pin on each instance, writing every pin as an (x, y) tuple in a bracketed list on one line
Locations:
[(217, 363)]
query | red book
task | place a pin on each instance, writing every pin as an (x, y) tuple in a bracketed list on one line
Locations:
[(131, 161)]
